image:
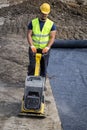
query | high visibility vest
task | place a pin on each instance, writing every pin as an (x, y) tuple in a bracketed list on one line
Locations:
[(41, 38)]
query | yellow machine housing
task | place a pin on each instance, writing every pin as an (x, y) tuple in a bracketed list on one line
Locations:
[(33, 99)]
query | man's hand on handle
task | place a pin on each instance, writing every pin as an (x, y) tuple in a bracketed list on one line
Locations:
[(33, 48), (45, 50)]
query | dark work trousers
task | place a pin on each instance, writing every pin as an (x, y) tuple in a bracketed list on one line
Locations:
[(43, 63)]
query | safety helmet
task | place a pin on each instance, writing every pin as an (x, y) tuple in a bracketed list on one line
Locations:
[(45, 8)]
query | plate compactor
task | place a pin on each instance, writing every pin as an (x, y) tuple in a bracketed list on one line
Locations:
[(33, 103)]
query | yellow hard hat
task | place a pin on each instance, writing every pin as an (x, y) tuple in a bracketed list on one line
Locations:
[(45, 8)]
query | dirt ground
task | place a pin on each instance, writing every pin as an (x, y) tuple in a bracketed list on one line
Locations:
[(13, 68), (71, 22)]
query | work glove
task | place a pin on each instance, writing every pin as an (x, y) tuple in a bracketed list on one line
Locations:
[(45, 50), (33, 48)]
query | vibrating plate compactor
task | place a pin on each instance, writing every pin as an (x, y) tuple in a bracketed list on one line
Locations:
[(33, 103)]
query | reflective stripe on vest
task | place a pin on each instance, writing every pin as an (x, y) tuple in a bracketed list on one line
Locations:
[(41, 38)]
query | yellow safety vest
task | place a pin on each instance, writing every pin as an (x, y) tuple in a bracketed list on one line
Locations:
[(41, 38)]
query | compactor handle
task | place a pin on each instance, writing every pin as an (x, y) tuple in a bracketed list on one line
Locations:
[(37, 66)]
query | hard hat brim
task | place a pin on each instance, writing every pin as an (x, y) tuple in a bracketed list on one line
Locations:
[(45, 12)]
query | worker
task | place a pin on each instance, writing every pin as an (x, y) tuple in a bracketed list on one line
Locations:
[(41, 35)]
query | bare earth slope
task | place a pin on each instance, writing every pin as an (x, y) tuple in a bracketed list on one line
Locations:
[(70, 18)]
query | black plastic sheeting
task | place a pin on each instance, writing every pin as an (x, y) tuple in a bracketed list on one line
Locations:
[(69, 44), (67, 72)]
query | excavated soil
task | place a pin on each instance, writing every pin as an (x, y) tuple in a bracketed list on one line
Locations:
[(70, 18)]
